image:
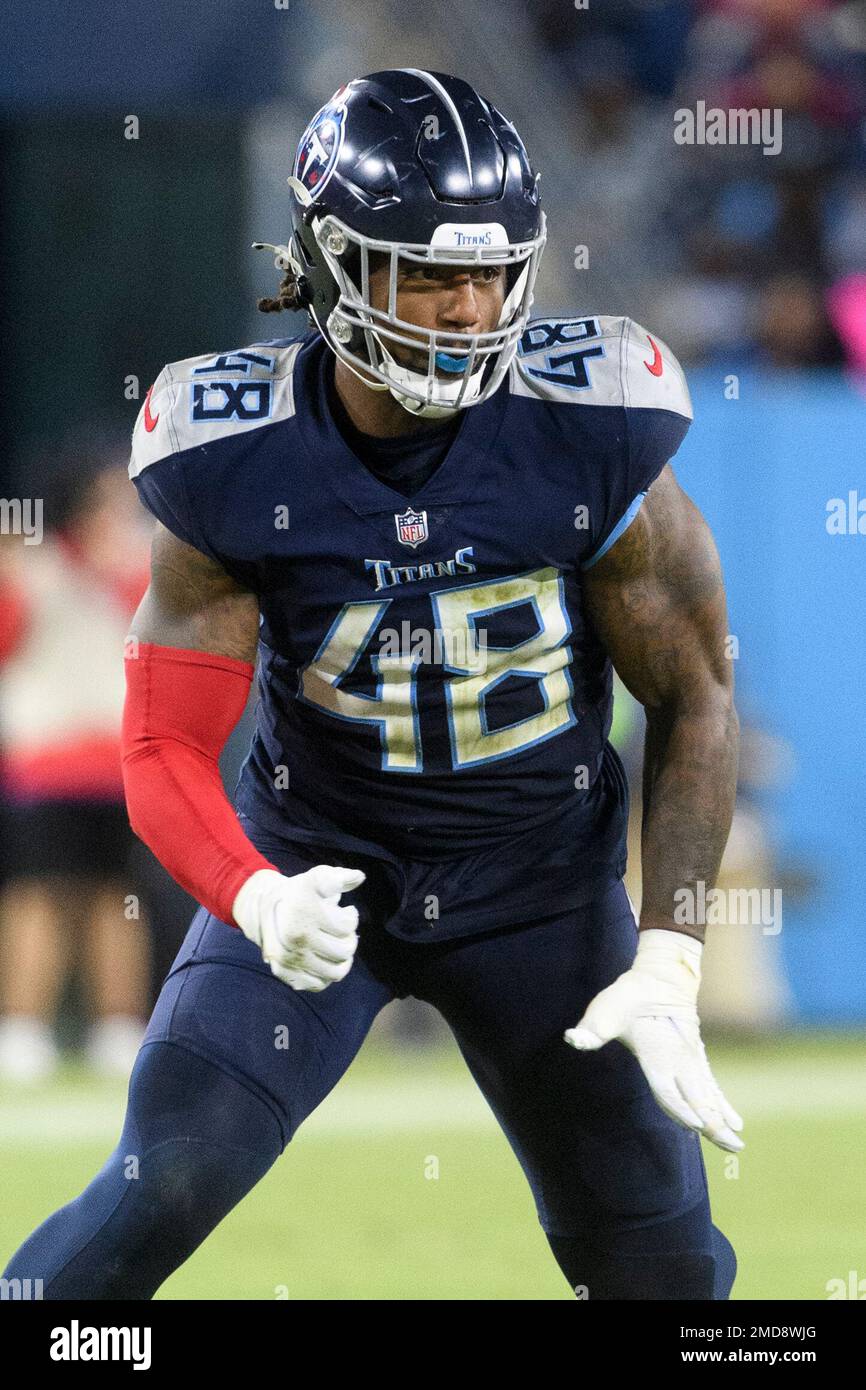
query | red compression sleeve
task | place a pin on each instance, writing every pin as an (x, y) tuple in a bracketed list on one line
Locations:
[(180, 708)]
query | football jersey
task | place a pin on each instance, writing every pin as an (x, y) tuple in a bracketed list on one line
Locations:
[(404, 461), (429, 685)]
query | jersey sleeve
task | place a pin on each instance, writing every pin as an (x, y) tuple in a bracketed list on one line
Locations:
[(156, 465), (185, 468), (658, 411), (197, 431)]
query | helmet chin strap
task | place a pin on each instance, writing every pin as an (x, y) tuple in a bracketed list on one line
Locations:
[(424, 412), (409, 404), (447, 391), (371, 385)]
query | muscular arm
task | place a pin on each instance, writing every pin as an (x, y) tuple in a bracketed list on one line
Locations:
[(188, 674), (657, 602), (191, 602)]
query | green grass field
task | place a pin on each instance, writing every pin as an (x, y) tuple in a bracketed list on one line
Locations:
[(351, 1212)]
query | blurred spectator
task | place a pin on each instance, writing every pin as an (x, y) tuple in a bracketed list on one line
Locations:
[(734, 254), (650, 38), (65, 606), (793, 329), (847, 306)]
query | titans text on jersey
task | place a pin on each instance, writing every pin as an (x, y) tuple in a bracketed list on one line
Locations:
[(428, 686)]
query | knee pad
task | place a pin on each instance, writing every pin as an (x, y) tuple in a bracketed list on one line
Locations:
[(181, 1191), (726, 1265), (685, 1258), (594, 1275), (194, 1142)]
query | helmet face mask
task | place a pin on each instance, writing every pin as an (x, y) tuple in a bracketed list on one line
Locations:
[(365, 337), (413, 168)]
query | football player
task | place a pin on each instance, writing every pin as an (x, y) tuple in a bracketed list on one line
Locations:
[(438, 524)]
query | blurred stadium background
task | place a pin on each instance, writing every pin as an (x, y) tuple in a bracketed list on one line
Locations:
[(142, 150)]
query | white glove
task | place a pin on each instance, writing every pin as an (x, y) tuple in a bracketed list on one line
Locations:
[(305, 936), (652, 1009)]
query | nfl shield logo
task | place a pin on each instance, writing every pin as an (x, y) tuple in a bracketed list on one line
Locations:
[(411, 527)]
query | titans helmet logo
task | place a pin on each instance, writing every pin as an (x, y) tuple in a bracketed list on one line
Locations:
[(320, 144)]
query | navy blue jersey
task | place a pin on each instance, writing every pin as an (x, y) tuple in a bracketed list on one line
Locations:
[(429, 685)]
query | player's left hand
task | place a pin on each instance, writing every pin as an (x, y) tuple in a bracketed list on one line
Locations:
[(652, 1010)]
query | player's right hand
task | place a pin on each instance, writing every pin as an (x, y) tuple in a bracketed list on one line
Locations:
[(308, 940)]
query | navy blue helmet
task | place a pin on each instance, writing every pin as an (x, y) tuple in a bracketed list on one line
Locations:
[(417, 167)]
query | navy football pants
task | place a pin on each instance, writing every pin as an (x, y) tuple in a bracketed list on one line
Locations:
[(234, 1061)]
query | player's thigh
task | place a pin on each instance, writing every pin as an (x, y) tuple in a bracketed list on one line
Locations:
[(289, 1046), (597, 1150), (523, 986), (222, 1001)]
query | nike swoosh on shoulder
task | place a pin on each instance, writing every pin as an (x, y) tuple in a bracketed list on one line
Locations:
[(150, 421), (657, 366)]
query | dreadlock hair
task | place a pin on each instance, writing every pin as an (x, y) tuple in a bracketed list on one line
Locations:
[(288, 296)]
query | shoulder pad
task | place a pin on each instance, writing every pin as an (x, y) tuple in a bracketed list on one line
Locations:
[(202, 399), (598, 360)]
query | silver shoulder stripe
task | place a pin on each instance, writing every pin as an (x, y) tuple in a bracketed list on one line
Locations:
[(164, 425)]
